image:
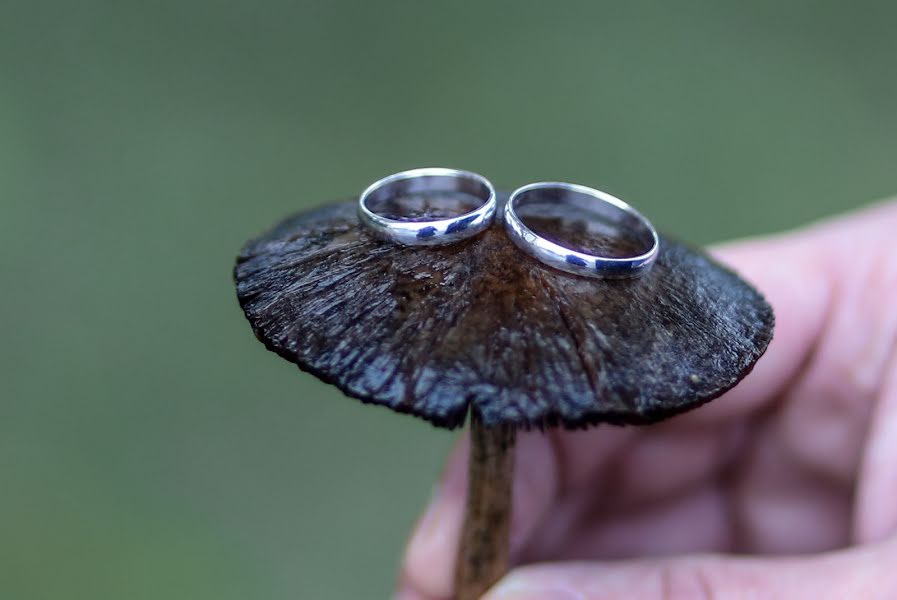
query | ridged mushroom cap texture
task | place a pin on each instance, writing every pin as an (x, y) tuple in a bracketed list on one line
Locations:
[(478, 325)]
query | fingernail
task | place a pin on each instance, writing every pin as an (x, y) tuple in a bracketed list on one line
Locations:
[(518, 588)]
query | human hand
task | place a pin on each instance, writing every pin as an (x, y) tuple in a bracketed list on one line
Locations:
[(785, 487)]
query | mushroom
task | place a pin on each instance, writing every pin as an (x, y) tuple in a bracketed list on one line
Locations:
[(480, 327)]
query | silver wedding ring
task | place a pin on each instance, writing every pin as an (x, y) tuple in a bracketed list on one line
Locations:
[(422, 181), (609, 208)]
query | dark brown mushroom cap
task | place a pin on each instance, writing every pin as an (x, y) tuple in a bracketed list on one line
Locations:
[(430, 331)]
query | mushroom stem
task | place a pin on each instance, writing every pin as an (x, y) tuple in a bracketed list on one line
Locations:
[(483, 553)]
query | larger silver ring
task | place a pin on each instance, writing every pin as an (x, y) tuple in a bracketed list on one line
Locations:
[(428, 233), (608, 207)]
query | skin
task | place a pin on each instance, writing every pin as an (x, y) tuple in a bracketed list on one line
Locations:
[(786, 487)]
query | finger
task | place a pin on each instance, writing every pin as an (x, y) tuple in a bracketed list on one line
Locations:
[(405, 591), (600, 519), (674, 456), (429, 558), (876, 514), (647, 464), (428, 567), (797, 273), (800, 311), (643, 475), (805, 275), (831, 404), (787, 271), (695, 522), (779, 507), (862, 573)]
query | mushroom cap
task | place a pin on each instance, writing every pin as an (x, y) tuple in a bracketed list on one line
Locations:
[(432, 331)]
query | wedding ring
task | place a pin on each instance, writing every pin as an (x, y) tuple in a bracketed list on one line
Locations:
[(428, 180), (608, 208)]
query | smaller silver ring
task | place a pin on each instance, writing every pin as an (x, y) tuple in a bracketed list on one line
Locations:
[(609, 207), (428, 233)]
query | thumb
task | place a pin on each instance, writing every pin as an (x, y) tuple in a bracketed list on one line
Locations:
[(865, 572)]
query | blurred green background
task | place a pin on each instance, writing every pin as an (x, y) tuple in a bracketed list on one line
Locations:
[(149, 446)]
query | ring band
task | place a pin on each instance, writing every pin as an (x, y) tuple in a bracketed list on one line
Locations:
[(428, 233), (608, 207)]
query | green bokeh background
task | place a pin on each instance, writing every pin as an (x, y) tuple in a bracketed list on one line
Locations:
[(149, 446)]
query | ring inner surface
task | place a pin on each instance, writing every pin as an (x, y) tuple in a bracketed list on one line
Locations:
[(428, 198), (583, 223)]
